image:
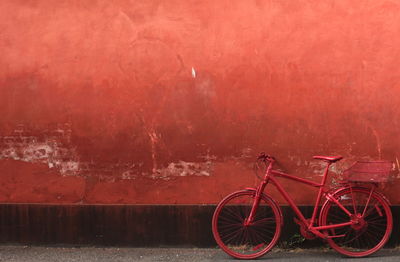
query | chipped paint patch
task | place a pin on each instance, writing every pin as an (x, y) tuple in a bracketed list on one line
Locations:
[(128, 175), (66, 161), (49, 151), (183, 169), (54, 149), (318, 167)]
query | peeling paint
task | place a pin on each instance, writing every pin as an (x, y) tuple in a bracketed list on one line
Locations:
[(318, 167), (61, 155), (153, 141), (50, 150), (183, 169), (129, 175), (243, 155)]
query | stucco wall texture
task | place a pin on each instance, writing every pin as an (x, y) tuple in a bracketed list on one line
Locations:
[(169, 102)]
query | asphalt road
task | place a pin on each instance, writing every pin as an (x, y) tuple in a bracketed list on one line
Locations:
[(55, 254)]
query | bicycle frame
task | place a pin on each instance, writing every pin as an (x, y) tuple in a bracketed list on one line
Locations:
[(270, 175)]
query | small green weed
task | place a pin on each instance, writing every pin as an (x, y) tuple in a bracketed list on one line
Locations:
[(292, 243)]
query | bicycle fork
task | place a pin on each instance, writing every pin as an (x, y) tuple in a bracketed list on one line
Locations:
[(260, 189), (257, 197)]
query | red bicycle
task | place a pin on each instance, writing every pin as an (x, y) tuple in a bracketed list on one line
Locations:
[(355, 219)]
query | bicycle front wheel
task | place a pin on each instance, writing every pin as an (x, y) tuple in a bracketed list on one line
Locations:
[(246, 241), (374, 222)]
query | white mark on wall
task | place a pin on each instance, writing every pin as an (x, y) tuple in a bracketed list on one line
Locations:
[(68, 167), (128, 175), (48, 151), (153, 142), (335, 169), (205, 87), (56, 151), (378, 142), (183, 169), (377, 138), (245, 154), (193, 73), (318, 167)]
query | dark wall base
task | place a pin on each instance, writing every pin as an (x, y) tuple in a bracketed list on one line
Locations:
[(130, 225)]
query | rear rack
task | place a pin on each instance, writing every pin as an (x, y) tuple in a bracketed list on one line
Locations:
[(369, 171)]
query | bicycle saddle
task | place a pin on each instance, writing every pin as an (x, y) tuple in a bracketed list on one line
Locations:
[(331, 159)]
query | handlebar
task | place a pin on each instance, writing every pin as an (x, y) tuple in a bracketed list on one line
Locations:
[(265, 157), (267, 160)]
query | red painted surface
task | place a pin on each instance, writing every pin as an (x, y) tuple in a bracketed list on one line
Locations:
[(170, 101)]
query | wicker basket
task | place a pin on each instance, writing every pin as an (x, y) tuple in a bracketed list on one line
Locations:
[(369, 171)]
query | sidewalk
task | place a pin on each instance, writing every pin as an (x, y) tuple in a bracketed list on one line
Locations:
[(72, 254)]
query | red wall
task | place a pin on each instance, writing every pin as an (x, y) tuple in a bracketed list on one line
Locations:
[(169, 101)]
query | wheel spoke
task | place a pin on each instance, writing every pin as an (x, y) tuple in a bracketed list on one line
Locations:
[(266, 220)]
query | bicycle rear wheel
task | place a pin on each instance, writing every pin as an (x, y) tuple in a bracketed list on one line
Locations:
[(237, 239), (374, 222)]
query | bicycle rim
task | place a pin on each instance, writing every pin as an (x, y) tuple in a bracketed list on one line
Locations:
[(238, 240), (372, 230)]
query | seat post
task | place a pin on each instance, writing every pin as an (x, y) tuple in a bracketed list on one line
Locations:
[(325, 176), (320, 192)]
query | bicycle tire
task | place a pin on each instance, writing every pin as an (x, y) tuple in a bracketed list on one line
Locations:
[(246, 242), (372, 231)]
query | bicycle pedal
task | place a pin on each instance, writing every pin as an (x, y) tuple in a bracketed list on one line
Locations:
[(335, 236), (297, 221)]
